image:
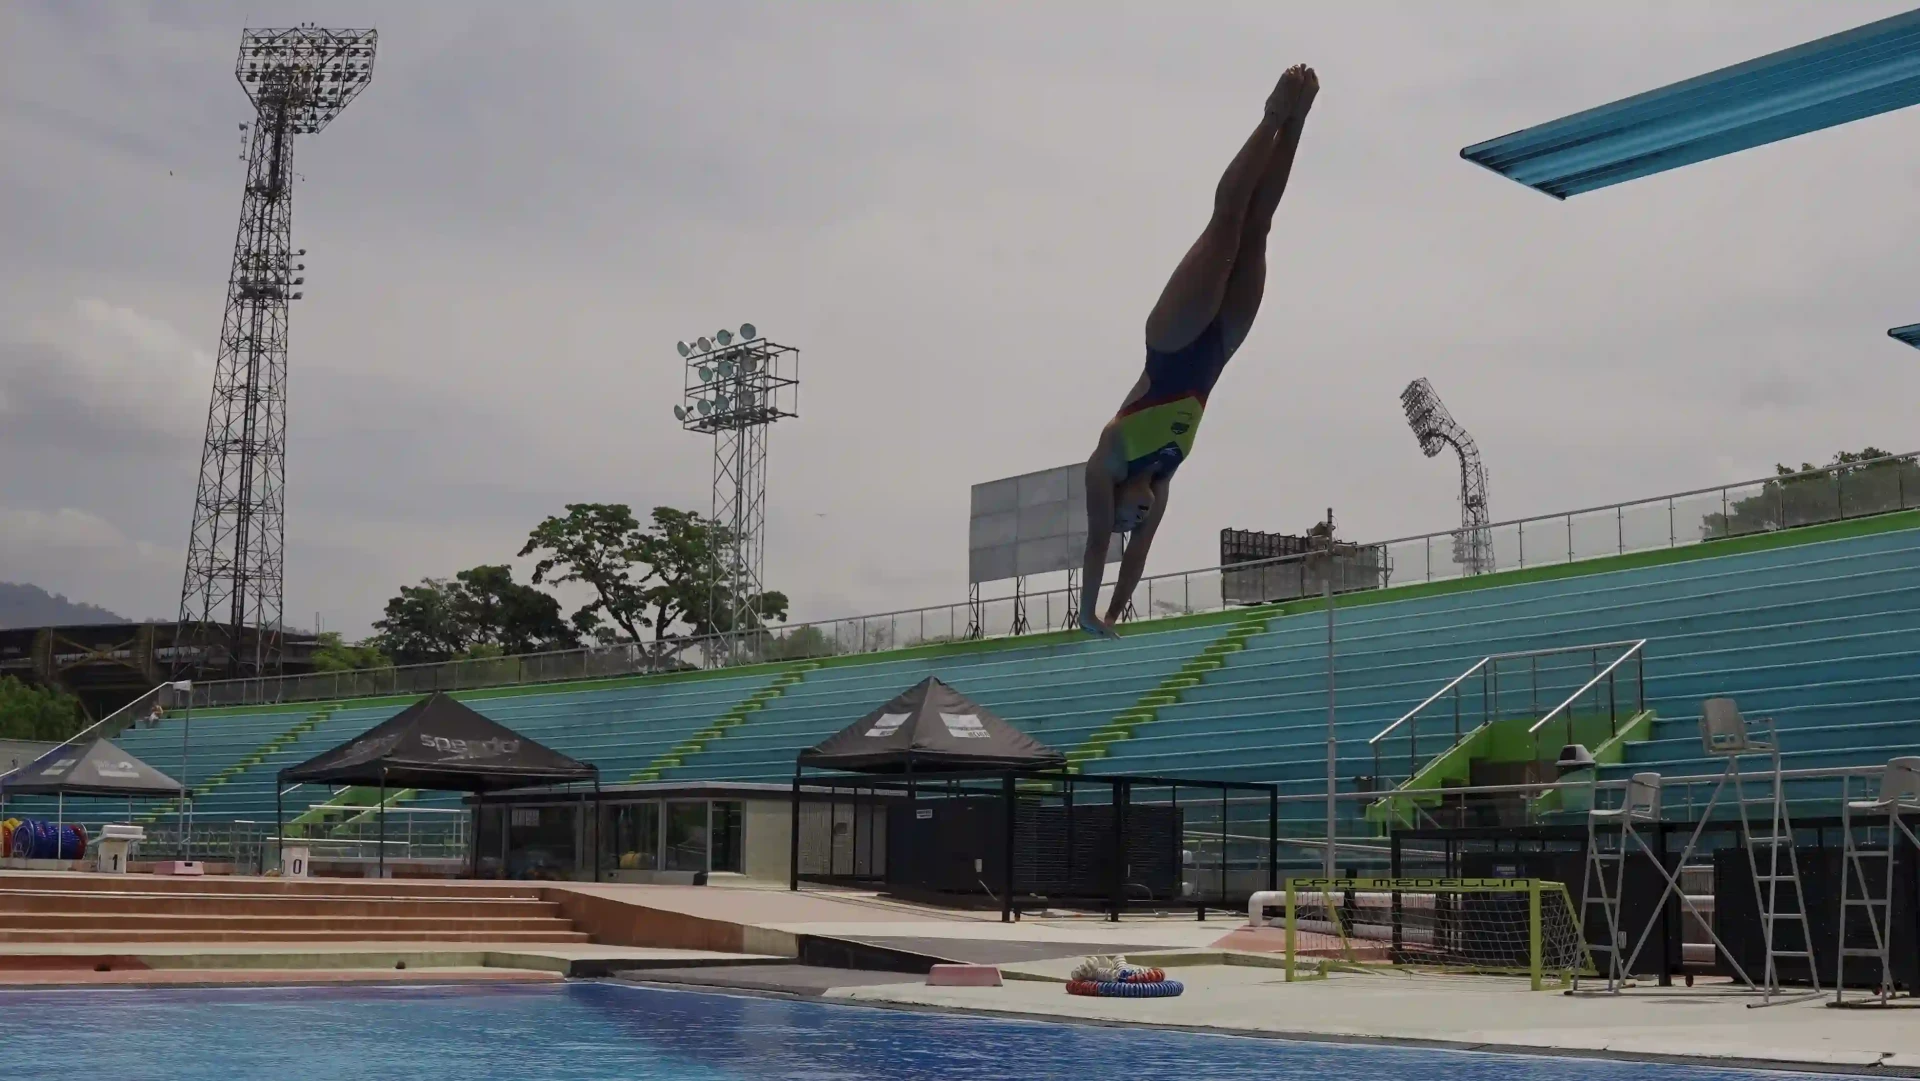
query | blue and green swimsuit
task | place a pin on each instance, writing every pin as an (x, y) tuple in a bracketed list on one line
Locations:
[(1156, 430)]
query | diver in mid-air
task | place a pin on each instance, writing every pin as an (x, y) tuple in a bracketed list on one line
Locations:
[(1202, 316)]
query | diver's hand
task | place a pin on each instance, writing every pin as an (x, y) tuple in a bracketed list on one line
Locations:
[(1096, 626)]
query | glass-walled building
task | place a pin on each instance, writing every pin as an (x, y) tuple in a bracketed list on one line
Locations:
[(661, 832)]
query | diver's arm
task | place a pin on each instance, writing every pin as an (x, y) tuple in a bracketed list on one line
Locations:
[(1134, 563), (1100, 484)]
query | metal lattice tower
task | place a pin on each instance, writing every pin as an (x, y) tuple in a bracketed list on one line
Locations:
[(736, 388), (1436, 429), (298, 79)]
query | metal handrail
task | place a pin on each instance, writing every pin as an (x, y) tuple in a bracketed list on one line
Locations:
[(1633, 650), (1491, 659), (1431, 699)]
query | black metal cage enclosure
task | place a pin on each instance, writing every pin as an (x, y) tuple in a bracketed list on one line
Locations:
[(1025, 839)]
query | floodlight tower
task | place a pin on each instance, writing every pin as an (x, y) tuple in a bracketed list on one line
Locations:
[(298, 80), (1436, 429), (736, 388)]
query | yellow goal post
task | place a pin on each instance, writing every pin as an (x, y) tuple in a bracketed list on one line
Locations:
[(1490, 926)]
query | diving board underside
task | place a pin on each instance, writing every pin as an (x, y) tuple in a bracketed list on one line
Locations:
[(1909, 334), (1834, 80)]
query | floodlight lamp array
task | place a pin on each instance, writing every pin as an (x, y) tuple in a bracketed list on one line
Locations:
[(312, 72), (730, 380)]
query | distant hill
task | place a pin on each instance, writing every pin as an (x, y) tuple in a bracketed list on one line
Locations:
[(31, 606)]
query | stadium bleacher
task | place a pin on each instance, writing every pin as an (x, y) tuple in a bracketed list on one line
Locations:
[(1823, 636)]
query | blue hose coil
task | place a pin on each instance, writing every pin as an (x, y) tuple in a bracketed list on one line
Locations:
[(39, 839), (1120, 989)]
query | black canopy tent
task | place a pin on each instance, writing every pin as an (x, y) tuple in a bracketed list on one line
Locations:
[(92, 767), (932, 736), (436, 743), (929, 728)]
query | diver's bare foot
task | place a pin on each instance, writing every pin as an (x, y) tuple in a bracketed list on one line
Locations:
[(1294, 95)]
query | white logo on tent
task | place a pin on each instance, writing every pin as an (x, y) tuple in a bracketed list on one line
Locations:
[(117, 769), (964, 726), (888, 724)]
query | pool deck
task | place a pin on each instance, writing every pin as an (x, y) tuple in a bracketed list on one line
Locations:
[(1234, 986), (1701, 1025)]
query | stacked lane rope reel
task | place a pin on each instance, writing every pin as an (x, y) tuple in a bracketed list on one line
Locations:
[(39, 839), (1101, 976)]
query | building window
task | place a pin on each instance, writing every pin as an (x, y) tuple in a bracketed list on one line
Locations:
[(686, 847), (727, 836), (633, 837), (541, 843)]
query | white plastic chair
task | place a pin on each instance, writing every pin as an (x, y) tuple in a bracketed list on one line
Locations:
[(1723, 731), (1641, 805), (1899, 788)]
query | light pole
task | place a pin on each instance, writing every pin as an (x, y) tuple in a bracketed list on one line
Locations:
[(1333, 736), (185, 821), (736, 388)]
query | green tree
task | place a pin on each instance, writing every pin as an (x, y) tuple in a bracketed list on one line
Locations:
[(331, 653), (481, 612), (422, 624), (596, 545), (508, 616), (684, 553), (659, 577), (1809, 494), (39, 713)]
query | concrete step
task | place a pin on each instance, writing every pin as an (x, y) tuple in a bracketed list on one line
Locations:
[(244, 905), (153, 921), (331, 887), (155, 937)]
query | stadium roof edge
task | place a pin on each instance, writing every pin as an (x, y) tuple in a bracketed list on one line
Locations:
[(1833, 80)]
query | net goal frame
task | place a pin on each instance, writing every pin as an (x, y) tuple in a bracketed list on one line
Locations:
[(1467, 926)]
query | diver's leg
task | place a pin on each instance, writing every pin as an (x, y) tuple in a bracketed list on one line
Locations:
[(1247, 282), (1193, 295)]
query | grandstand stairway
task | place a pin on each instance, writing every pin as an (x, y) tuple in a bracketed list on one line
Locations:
[(47, 909), (1167, 692), (727, 721), (253, 758)]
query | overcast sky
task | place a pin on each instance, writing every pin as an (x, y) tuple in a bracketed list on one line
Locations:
[(961, 214)]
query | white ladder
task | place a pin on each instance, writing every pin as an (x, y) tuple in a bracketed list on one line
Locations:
[(1726, 733), (1899, 793), (1641, 805)]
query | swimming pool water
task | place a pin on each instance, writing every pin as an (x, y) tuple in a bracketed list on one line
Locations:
[(616, 1032)]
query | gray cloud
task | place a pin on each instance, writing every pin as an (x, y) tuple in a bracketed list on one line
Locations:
[(961, 215)]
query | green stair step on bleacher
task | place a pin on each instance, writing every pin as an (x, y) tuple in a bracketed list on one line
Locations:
[(1211, 657), (725, 723), (246, 762)]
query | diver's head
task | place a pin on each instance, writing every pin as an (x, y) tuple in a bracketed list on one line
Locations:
[(1133, 502)]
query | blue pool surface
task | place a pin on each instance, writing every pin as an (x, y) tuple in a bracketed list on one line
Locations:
[(615, 1032)]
